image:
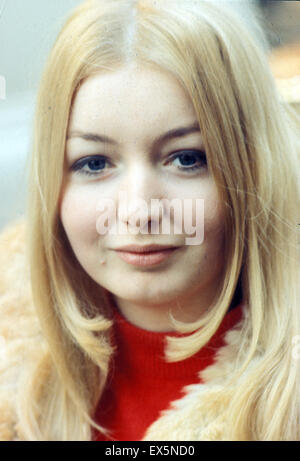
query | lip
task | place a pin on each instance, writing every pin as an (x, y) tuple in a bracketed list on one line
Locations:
[(149, 255), (145, 248)]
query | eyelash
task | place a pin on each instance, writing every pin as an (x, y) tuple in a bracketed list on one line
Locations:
[(78, 166)]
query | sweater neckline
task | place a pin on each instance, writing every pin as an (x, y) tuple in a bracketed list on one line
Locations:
[(140, 353)]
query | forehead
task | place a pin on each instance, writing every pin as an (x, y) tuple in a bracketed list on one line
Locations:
[(131, 101)]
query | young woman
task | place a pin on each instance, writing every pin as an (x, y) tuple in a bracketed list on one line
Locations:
[(172, 338)]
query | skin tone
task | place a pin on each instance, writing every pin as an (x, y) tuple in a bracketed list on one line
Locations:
[(134, 106)]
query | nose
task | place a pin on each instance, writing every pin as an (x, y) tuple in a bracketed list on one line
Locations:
[(140, 190)]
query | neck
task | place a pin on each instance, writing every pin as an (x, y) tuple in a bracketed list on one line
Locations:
[(156, 316)]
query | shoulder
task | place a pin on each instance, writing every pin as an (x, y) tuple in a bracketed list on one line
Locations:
[(200, 414), (21, 341)]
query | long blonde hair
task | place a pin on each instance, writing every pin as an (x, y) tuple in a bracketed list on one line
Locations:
[(252, 149)]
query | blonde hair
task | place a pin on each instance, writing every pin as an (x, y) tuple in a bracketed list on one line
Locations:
[(252, 150)]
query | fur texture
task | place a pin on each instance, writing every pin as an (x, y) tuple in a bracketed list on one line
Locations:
[(198, 415), (21, 341)]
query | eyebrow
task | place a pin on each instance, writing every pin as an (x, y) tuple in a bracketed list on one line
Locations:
[(171, 134)]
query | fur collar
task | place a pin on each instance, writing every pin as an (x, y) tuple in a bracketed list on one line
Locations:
[(20, 338), (198, 415)]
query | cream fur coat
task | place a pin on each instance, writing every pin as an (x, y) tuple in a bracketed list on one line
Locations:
[(199, 415)]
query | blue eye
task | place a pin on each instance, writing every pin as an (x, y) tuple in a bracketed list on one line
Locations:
[(95, 163), (188, 159), (191, 160)]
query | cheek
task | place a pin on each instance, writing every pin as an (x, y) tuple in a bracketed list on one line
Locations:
[(205, 210), (214, 217), (212, 250), (214, 209), (78, 216), (214, 224)]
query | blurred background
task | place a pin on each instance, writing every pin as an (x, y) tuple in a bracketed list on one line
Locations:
[(27, 32)]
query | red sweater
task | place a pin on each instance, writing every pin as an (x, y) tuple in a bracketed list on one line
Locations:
[(142, 383)]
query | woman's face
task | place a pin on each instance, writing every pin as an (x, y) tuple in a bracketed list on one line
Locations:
[(118, 152)]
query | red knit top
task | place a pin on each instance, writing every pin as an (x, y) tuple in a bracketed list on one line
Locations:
[(142, 384)]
